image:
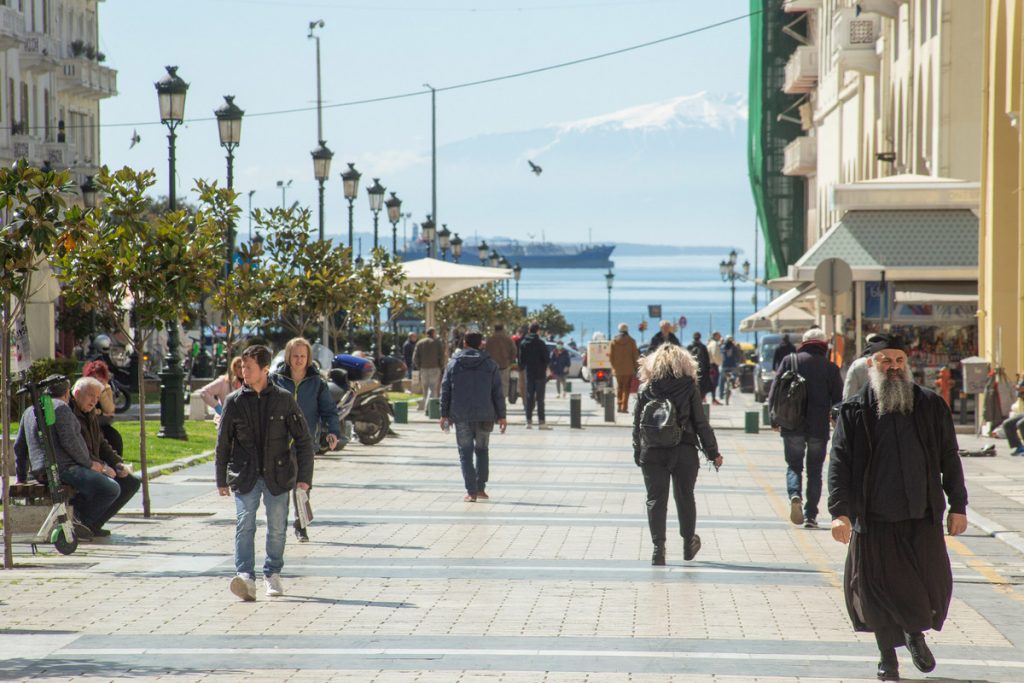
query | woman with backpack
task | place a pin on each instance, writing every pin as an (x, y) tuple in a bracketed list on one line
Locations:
[(668, 426)]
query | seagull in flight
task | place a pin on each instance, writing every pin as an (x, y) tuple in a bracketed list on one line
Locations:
[(136, 139), (537, 170)]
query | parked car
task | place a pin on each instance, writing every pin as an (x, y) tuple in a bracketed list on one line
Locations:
[(764, 374), (575, 360)]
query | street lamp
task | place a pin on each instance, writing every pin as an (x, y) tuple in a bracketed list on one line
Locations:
[(506, 265), (482, 250), (376, 194), (428, 232), (394, 207), (90, 193), (229, 127), (727, 269), (444, 237), (251, 193), (494, 258), (322, 156), (350, 183), (284, 185), (609, 277), (171, 91), (517, 271), (456, 243)]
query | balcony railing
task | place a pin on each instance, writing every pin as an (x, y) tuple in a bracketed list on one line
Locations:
[(84, 78), (12, 27), (801, 156), (853, 39), (40, 53), (801, 70)]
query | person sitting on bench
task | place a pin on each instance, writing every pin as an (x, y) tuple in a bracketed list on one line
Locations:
[(92, 480)]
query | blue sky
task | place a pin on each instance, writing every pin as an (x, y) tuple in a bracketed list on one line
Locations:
[(258, 51)]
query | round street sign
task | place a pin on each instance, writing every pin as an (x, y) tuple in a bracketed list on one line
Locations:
[(682, 322), (833, 276)]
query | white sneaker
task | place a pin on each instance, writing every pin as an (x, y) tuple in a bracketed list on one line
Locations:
[(244, 587), (543, 425), (274, 587), (529, 425)]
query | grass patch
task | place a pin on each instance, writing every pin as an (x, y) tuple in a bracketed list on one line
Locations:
[(202, 436), (395, 396)]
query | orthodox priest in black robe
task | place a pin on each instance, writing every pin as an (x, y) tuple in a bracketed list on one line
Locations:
[(894, 465)]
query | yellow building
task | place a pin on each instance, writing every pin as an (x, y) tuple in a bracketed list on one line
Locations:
[(1001, 237)]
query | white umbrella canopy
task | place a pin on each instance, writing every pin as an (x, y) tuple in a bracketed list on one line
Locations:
[(449, 278)]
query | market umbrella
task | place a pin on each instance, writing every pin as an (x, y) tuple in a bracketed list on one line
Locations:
[(449, 278)]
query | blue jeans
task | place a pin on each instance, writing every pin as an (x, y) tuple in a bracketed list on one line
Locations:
[(96, 493), (276, 507), (472, 438), (796, 447)]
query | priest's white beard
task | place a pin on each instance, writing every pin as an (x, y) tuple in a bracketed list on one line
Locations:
[(893, 389)]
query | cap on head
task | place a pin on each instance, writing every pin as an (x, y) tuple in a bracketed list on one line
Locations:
[(815, 334), (623, 327), (882, 342)]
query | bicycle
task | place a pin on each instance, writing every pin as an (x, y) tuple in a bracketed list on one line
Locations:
[(732, 380)]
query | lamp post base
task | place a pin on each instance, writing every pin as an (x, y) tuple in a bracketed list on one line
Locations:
[(172, 393)]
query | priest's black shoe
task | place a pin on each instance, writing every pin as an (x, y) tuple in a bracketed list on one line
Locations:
[(919, 652), (692, 548), (658, 558), (889, 666)]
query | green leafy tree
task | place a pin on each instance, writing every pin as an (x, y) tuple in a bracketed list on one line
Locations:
[(551, 321), (35, 221), (483, 305), (155, 268)]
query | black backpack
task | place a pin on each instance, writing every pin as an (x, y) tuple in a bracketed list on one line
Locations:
[(659, 424), (789, 397)]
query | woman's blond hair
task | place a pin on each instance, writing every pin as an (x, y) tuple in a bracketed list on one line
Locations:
[(234, 370), (668, 360), (292, 343)]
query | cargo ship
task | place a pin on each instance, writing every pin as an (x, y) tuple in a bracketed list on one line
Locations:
[(534, 254)]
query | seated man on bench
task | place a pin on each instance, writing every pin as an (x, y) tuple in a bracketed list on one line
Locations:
[(92, 480)]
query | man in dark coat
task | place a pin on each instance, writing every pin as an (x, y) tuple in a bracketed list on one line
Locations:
[(534, 358), (407, 348), (703, 358), (894, 465), (663, 335), (785, 348), (809, 441)]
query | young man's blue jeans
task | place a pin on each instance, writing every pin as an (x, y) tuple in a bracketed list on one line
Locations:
[(473, 438), (96, 492), (276, 508), (796, 447)]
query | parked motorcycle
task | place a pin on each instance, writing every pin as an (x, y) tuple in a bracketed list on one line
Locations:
[(120, 375), (370, 413)]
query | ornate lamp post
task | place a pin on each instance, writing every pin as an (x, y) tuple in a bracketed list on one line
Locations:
[(229, 127), (517, 271), (322, 156), (171, 91), (350, 183), (444, 239), (494, 258), (482, 250), (394, 207), (609, 277), (727, 269), (90, 193), (507, 266), (456, 243), (376, 194), (428, 232)]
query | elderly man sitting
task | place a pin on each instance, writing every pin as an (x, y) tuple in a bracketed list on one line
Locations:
[(85, 395)]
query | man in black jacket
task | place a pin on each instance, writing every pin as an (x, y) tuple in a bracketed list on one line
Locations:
[(662, 336), (894, 464), (533, 364), (810, 440), (264, 450), (784, 349), (700, 354)]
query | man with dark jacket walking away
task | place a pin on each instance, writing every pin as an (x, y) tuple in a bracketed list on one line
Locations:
[(703, 358), (808, 441), (472, 400), (407, 348), (784, 349), (502, 351), (662, 336), (264, 450), (894, 465), (533, 364)]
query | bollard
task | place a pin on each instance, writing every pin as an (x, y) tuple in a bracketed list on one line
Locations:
[(707, 410), (575, 411), (750, 423), (401, 412), (766, 415), (609, 406), (568, 387), (434, 409)]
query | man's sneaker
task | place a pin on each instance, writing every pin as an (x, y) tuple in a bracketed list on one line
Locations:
[(99, 532), (275, 588), (1019, 450), (482, 495), (544, 425), (469, 498), (796, 510), (810, 523), (300, 532), (244, 587), (82, 532), (529, 425)]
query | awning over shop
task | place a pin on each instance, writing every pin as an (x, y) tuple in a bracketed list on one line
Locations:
[(936, 293), (782, 314)]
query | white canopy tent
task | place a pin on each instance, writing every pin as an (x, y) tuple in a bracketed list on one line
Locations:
[(448, 278)]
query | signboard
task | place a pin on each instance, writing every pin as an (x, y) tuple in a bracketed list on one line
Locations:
[(878, 298), (682, 322), (597, 355), (22, 351), (654, 311)]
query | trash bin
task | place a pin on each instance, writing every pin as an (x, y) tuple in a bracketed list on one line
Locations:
[(975, 370), (401, 412), (750, 423), (746, 376), (434, 409)]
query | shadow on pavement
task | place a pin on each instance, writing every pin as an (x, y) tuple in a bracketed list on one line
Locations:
[(371, 546), (292, 597), (55, 667)]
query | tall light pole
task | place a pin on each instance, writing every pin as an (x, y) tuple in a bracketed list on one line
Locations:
[(375, 193), (609, 277), (431, 247), (394, 207), (229, 128), (727, 269), (322, 156), (284, 185), (517, 271), (171, 91), (444, 240), (350, 184)]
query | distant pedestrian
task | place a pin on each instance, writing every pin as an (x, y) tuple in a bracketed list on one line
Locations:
[(623, 354), (731, 358), (662, 336), (1015, 421), (671, 393), (407, 348), (216, 392), (715, 356), (809, 440), (428, 357), (857, 373), (472, 400), (894, 465), (502, 351), (533, 365), (559, 365), (784, 348), (263, 452), (700, 354)]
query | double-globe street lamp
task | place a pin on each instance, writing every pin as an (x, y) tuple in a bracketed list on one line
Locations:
[(482, 250), (517, 271), (229, 127), (427, 233), (609, 277), (456, 244), (375, 193), (444, 240), (727, 269), (171, 91), (322, 156), (350, 184), (394, 207)]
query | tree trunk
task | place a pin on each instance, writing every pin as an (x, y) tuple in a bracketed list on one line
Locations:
[(143, 470), (5, 418)]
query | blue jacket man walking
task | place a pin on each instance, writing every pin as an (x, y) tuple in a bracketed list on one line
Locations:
[(472, 400)]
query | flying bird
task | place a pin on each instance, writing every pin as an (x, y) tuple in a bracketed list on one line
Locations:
[(136, 139), (537, 170)]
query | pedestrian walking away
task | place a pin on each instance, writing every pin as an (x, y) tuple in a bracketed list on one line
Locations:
[(559, 366), (894, 466), (668, 426), (533, 363), (428, 356), (731, 358), (663, 336), (502, 351), (715, 356), (299, 377), (623, 354), (264, 451), (407, 348), (785, 348), (808, 440), (472, 400), (703, 358)]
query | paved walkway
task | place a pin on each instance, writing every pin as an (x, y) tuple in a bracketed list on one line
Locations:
[(548, 581)]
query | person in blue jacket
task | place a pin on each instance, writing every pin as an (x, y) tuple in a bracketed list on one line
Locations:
[(301, 378)]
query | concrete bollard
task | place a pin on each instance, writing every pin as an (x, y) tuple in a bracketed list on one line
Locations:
[(576, 411), (609, 406), (750, 422), (766, 415), (568, 387)]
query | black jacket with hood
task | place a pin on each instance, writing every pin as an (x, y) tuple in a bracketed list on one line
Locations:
[(471, 388), (685, 397), (534, 356)]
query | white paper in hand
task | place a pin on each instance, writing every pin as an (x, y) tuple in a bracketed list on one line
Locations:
[(305, 509)]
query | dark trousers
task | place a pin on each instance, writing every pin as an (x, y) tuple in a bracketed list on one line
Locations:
[(1011, 428), (534, 396), (678, 467), (113, 437), (129, 487), (473, 439), (797, 447)]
